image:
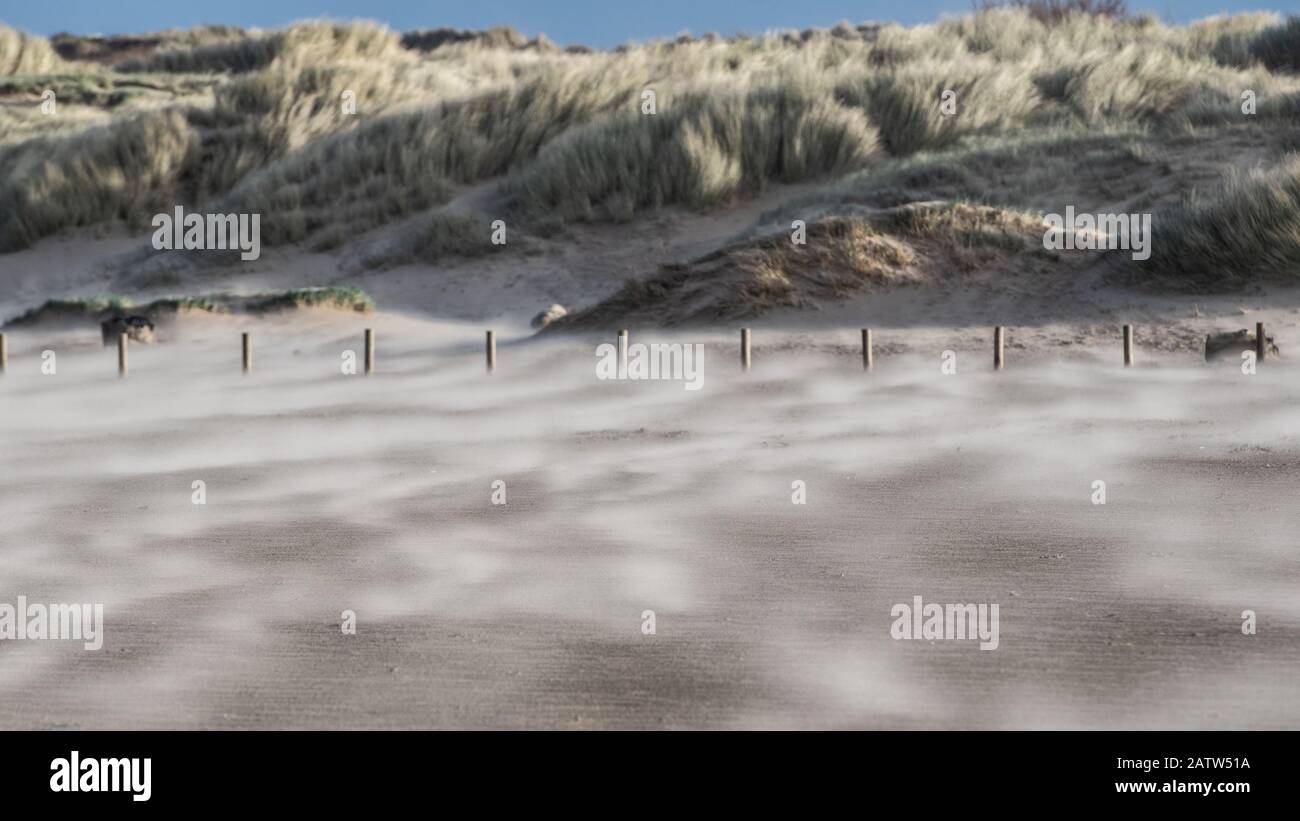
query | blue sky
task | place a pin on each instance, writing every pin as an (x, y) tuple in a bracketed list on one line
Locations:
[(599, 23)]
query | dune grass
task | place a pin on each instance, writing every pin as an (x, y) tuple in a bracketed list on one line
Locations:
[(346, 298), (124, 170), (305, 42), (23, 53), (1036, 170), (1247, 233), (102, 306), (845, 255), (452, 233), (1227, 39), (115, 49), (701, 149), (253, 121), (394, 164), (908, 103), (55, 310), (1132, 83), (1278, 47)]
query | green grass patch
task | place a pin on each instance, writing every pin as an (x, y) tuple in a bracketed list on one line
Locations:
[(98, 308)]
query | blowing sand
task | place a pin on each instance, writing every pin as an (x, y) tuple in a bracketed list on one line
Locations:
[(328, 493)]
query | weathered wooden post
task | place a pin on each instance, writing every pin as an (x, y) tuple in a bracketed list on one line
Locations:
[(745, 358), (491, 351), (370, 350), (622, 350), (1128, 346), (997, 348), (248, 352), (1261, 343), (868, 361), (121, 354), (4, 354)]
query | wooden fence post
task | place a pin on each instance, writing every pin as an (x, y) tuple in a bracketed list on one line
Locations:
[(491, 351), (1128, 346), (998, 358), (868, 358), (370, 350), (121, 354), (1261, 343), (745, 358), (248, 352)]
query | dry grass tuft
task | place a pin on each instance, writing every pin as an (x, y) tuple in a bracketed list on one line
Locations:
[(1248, 232), (127, 170), (1278, 47), (305, 43), (23, 53), (843, 257), (702, 148)]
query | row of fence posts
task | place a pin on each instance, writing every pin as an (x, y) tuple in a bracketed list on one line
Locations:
[(746, 351), (999, 347)]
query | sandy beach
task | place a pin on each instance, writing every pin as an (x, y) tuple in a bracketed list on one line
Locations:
[(327, 492)]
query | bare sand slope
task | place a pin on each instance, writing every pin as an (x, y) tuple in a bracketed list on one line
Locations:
[(327, 492), (582, 265)]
